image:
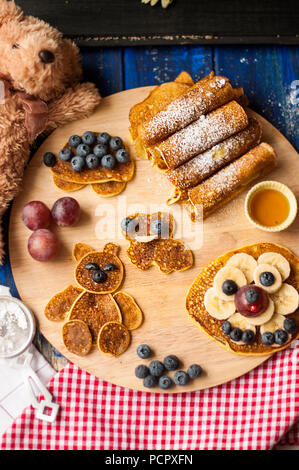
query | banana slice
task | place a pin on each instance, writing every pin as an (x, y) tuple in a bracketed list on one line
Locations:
[(228, 273), (246, 263), (286, 300), (276, 323), (216, 307), (267, 268), (278, 261), (263, 317), (238, 321)]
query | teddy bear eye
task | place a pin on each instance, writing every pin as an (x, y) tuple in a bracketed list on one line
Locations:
[(16, 46)]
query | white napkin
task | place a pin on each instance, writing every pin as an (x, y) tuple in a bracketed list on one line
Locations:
[(14, 396)]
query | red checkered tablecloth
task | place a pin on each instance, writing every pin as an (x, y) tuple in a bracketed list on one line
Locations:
[(252, 412)]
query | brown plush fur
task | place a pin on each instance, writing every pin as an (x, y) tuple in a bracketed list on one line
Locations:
[(57, 83)]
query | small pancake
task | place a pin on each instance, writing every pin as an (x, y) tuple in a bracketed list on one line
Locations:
[(160, 250), (141, 254), (58, 307), (109, 189), (66, 185), (114, 338), (95, 310), (80, 250), (101, 258), (76, 337), (131, 313), (171, 255), (212, 326)]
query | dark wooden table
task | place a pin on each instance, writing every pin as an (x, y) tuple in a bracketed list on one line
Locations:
[(267, 73)]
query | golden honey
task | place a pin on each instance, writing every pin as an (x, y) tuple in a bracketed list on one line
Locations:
[(269, 207)]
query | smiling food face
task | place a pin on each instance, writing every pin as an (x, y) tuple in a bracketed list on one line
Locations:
[(249, 317)]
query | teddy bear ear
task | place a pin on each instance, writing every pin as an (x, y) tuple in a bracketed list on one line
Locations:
[(72, 57), (112, 249), (9, 11)]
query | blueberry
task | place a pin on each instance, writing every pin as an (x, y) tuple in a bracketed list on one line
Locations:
[(165, 382), (100, 150), (229, 287), (92, 162), (181, 378), (194, 371), (77, 163), (83, 150), (252, 296), (122, 156), (49, 159), (236, 334), (267, 338), (156, 368), (171, 362), (75, 140), (92, 266), (110, 267), (103, 138), (65, 154), (129, 225), (116, 143), (247, 336), (160, 228), (99, 276), (141, 371), (226, 327), (267, 279), (108, 161), (290, 325), (280, 337), (143, 351), (88, 138), (149, 381)]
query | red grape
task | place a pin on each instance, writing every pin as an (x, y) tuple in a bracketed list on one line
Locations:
[(36, 215), (43, 245), (66, 211)]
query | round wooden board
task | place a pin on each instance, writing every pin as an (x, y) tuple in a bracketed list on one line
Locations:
[(167, 327)]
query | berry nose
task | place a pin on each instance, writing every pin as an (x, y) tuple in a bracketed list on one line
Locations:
[(46, 56)]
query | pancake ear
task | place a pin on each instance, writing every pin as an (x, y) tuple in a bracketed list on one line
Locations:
[(112, 249), (9, 11)]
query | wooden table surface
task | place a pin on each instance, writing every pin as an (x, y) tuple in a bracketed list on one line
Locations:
[(268, 75)]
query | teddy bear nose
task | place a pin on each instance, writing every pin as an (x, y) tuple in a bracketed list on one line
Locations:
[(46, 56)]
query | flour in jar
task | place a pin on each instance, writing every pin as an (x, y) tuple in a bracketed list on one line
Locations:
[(14, 328)]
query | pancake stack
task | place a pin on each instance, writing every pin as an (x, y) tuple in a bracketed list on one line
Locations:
[(201, 137)]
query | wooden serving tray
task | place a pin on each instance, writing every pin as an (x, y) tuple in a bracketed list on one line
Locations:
[(167, 328)]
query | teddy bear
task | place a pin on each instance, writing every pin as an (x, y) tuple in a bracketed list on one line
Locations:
[(40, 89), (97, 313), (152, 243)]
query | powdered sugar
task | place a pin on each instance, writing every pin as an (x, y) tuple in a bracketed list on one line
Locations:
[(206, 95), (202, 134), (202, 166), (14, 328)]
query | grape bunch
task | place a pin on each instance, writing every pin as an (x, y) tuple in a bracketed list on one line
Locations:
[(43, 244)]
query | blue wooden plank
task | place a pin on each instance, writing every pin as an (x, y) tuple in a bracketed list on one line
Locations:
[(154, 65), (266, 74), (104, 68)]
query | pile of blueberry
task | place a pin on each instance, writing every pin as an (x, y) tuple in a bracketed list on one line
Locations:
[(154, 374), (91, 151), (236, 334), (268, 338)]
